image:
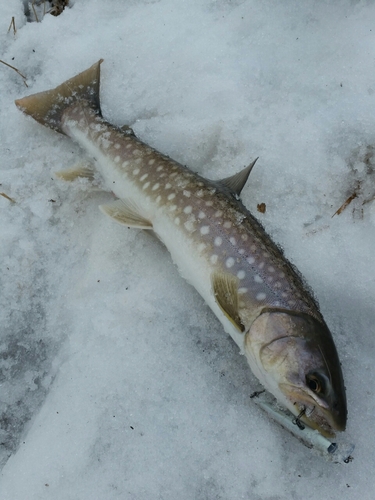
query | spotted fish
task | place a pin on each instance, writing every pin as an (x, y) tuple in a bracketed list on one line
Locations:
[(218, 246)]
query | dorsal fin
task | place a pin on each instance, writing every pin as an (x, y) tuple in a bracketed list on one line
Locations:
[(127, 130), (236, 182), (225, 288)]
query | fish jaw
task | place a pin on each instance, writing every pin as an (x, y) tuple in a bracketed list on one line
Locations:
[(295, 358)]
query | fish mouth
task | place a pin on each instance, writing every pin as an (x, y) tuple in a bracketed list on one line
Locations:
[(314, 413), (318, 420)]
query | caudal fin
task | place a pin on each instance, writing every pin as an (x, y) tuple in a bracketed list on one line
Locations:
[(47, 107)]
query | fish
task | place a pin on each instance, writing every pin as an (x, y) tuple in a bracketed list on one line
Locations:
[(219, 247)]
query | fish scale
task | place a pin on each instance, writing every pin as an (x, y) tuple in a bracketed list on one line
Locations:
[(218, 246)]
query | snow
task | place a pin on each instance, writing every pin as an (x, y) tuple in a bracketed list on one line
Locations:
[(116, 379)]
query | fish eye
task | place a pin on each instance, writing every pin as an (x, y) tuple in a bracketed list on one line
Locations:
[(315, 383)]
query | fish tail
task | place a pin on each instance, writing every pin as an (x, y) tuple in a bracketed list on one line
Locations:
[(47, 107)]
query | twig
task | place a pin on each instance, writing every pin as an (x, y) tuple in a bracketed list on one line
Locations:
[(15, 69), (12, 23)]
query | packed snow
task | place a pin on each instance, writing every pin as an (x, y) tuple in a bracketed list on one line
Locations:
[(116, 381)]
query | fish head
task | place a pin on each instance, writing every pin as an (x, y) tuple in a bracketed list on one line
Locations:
[(297, 362)]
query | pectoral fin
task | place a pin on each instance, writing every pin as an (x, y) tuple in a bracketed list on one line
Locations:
[(126, 213), (225, 288), (79, 170)]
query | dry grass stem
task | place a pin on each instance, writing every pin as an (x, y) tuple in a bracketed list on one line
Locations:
[(15, 69), (12, 25), (345, 204), (8, 197)]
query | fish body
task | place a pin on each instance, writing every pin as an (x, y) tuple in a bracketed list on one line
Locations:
[(218, 246)]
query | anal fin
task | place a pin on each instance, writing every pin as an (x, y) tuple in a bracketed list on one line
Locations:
[(225, 288), (125, 213), (80, 170)]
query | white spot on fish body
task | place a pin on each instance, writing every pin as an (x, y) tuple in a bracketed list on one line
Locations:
[(177, 221), (253, 248), (172, 208), (190, 226), (258, 279), (171, 196), (205, 229), (209, 203), (232, 240), (271, 269), (188, 209), (117, 145), (168, 186), (151, 162), (137, 152), (201, 215), (260, 296), (138, 161), (244, 236), (250, 260), (213, 259), (186, 193), (158, 199), (136, 171), (117, 159), (229, 262), (144, 176), (218, 241), (160, 168), (261, 265), (125, 164), (242, 290), (227, 224), (155, 186), (241, 274), (201, 247), (145, 186), (241, 251), (128, 146), (218, 213)]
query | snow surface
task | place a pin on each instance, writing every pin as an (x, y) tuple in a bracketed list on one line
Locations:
[(117, 382)]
